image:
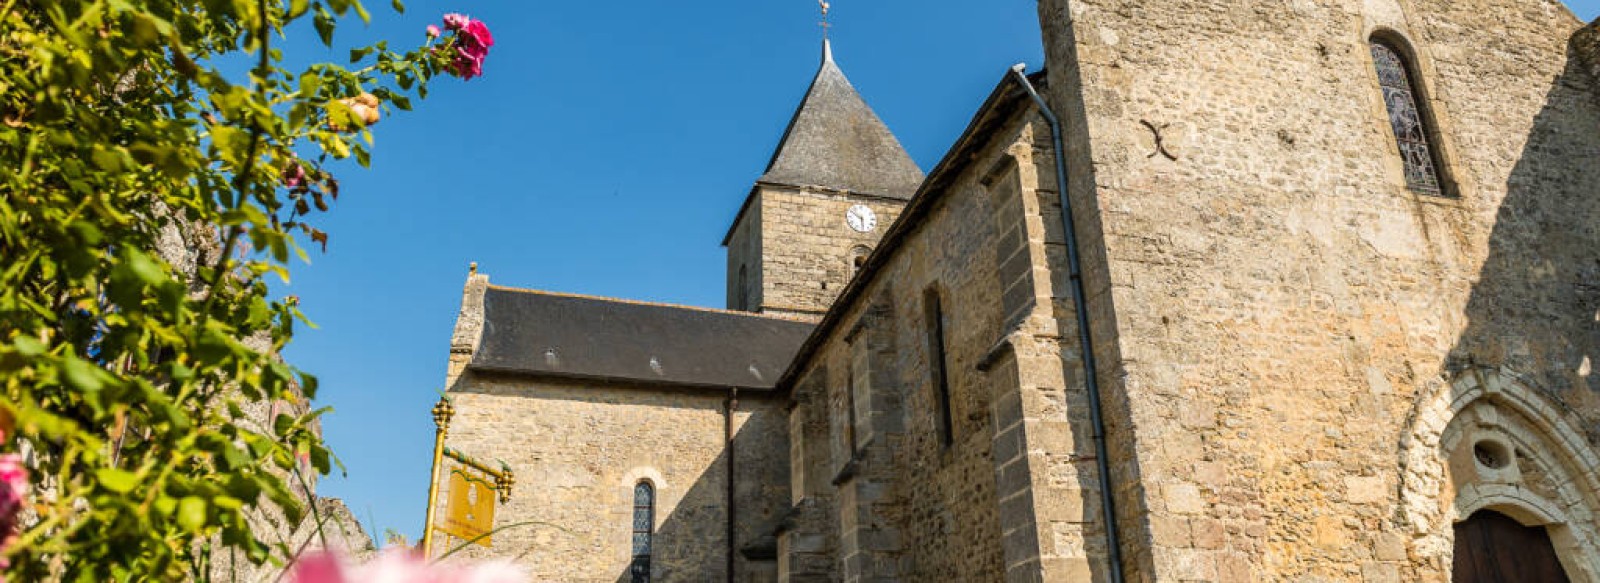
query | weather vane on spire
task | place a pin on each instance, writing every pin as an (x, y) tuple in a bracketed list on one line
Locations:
[(825, 24)]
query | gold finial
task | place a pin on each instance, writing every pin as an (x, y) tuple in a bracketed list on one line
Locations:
[(472, 269), (503, 482), (442, 412)]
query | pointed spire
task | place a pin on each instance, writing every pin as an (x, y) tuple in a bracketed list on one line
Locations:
[(836, 141)]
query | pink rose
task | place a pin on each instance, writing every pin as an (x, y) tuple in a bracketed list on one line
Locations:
[(466, 66), (476, 37), (472, 43), (433, 31)]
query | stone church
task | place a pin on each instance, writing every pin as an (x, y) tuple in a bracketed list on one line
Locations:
[(1323, 304)]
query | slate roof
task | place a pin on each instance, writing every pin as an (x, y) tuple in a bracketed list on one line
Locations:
[(582, 337), (835, 141)]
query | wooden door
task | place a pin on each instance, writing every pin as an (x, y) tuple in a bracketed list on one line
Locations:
[(1493, 548)]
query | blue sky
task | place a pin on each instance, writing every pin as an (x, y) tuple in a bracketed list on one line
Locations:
[(605, 151)]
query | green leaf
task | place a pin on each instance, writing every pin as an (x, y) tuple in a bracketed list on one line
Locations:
[(401, 101), (242, 487), (308, 385), (146, 269), (398, 6), (192, 513), (29, 346), (281, 424), (319, 460), (115, 480), (82, 375), (324, 24), (309, 84)]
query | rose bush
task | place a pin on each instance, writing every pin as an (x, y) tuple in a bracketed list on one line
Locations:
[(160, 163)]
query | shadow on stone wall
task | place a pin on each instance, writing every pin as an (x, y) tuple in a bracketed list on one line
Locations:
[(690, 543), (1534, 310), (1536, 306)]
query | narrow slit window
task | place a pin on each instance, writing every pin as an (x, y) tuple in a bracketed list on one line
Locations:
[(743, 298), (1410, 123), (936, 366), (644, 515), (850, 403)]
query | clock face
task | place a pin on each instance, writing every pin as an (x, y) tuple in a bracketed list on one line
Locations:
[(861, 218)]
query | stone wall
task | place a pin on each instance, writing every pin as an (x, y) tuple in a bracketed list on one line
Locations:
[(745, 244), (1586, 44), (1274, 307), (805, 249), (879, 489), (578, 449)]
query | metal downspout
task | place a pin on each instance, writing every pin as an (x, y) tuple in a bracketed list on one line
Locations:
[(732, 405), (1085, 338)]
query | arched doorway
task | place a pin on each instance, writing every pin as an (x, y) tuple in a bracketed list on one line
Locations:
[(1494, 548)]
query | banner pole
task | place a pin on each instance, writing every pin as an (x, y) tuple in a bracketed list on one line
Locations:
[(442, 412)]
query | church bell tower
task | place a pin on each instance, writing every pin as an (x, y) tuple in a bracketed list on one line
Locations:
[(837, 180)]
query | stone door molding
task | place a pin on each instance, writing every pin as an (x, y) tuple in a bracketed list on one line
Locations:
[(1490, 441)]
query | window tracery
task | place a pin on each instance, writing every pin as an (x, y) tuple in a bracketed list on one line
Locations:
[(1408, 122)]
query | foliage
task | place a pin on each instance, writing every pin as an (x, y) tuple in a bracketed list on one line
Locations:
[(149, 185)]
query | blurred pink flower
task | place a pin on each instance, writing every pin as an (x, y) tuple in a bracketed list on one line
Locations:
[(13, 487), (433, 31), (454, 21), (399, 565), (318, 568)]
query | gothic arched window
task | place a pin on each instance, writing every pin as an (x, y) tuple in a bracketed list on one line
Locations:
[(644, 516), (1410, 123)]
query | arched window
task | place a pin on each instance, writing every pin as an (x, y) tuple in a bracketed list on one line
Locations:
[(1410, 123), (858, 257), (644, 517)]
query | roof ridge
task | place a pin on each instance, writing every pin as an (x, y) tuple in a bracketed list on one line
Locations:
[(644, 303)]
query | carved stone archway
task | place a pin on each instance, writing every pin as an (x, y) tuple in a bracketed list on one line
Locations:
[(1489, 440)]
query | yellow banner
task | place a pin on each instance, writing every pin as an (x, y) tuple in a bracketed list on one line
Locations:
[(470, 511)]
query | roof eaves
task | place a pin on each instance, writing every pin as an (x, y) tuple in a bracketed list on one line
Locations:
[(613, 379), (643, 303)]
